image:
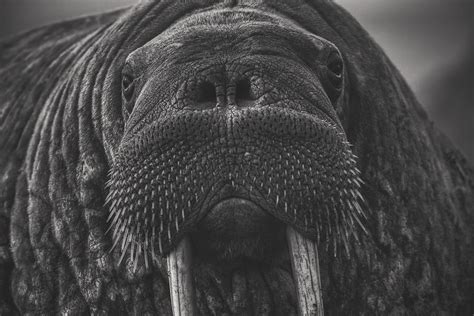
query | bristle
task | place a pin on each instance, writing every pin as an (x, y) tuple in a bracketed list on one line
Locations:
[(155, 190)]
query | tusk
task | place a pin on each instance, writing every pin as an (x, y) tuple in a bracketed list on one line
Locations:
[(181, 280), (305, 266)]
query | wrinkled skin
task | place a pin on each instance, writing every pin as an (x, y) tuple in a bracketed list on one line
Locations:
[(225, 123)]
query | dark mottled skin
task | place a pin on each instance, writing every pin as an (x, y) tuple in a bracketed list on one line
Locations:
[(65, 127)]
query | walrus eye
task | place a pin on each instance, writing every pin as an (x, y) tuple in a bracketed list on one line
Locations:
[(127, 86), (335, 67), (334, 74)]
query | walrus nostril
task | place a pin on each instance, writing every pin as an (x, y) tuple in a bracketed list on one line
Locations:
[(206, 93), (243, 91)]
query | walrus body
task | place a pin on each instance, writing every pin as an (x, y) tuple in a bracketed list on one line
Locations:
[(228, 124)]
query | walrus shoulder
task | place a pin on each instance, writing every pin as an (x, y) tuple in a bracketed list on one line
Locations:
[(19, 45), (30, 65)]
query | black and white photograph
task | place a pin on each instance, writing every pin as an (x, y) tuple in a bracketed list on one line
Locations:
[(236, 157)]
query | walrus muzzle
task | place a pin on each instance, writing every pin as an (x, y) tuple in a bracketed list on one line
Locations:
[(230, 140)]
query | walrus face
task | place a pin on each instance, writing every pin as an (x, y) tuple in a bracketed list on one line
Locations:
[(232, 138)]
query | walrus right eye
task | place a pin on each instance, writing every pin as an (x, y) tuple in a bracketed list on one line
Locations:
[(127, 86), (334, 75)]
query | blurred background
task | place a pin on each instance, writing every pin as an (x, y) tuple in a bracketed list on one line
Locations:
[(430, 41)]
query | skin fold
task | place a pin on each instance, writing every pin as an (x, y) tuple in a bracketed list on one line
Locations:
[(223, 122)]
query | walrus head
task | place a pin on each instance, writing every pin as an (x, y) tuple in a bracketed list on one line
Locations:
[(231, 135), (211, 150), (231, 104)]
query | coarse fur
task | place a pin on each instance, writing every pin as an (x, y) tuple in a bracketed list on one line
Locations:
[(64, 131)]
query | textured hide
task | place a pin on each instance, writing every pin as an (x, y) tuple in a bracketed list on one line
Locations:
[(61, 122)]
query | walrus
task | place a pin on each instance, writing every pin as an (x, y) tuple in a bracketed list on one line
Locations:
[(220, 158)]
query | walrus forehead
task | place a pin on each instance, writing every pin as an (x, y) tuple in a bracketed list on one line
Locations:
[(213, 27), (231, 17)]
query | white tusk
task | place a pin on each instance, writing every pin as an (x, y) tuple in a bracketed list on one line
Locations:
[(305, 266), (181, 280)]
